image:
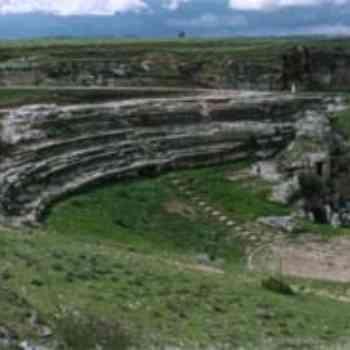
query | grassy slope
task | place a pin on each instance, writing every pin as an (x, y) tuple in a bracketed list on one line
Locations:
[(138, 211), (122, 251)]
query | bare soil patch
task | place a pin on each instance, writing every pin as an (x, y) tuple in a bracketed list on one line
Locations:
[(306, 257), (179, 208)]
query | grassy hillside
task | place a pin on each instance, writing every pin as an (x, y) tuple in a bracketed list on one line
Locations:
[(146, 255)]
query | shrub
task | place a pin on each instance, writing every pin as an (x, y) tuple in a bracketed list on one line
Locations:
[(311, 185), (78, 332), (4, 148), (277, 286), (314, 190)]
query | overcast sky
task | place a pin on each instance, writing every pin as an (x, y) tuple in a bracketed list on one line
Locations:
[(23, 18)]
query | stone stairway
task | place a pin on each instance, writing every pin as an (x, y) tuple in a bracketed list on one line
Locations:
[(251, 234)]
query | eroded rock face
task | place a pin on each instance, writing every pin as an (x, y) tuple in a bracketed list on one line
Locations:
[(306, 172), (316, 69), (301, 68), (311, 149), (50, 151), (309, 153), (306, 68)]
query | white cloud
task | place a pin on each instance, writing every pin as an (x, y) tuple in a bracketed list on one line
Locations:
[(272, 4), (174, 4), (108, 7), (209, 20), (71, 7), (336, 29)]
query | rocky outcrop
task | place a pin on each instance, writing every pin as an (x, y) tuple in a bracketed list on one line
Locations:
[(309, 153), (311, 149), (246, 74), (309, 173), (50, 151), (316, 69), (301, 67)]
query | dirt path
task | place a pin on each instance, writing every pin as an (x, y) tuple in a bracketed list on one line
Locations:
[(198, 267)]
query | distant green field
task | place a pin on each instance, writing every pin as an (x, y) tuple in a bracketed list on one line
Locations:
[(255, 48)]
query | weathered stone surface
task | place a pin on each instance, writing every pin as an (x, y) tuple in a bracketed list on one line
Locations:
[(309, 153), (284, 191), (311, 146), (267, 170), (316, 69), (285, 223), (52, 151)]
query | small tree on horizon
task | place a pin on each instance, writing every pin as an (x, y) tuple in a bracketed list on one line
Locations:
[(182, 34)]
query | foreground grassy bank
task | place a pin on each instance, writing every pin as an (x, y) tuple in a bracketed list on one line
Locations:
[(143, 254)]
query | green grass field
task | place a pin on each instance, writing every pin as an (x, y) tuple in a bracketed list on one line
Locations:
[(129, 252)]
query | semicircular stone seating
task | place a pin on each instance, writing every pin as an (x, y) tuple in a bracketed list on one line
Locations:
[(50, 151)]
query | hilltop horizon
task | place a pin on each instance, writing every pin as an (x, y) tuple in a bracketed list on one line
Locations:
[(160, 19)]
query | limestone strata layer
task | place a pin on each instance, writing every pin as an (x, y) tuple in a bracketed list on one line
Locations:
[(49, 151)]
